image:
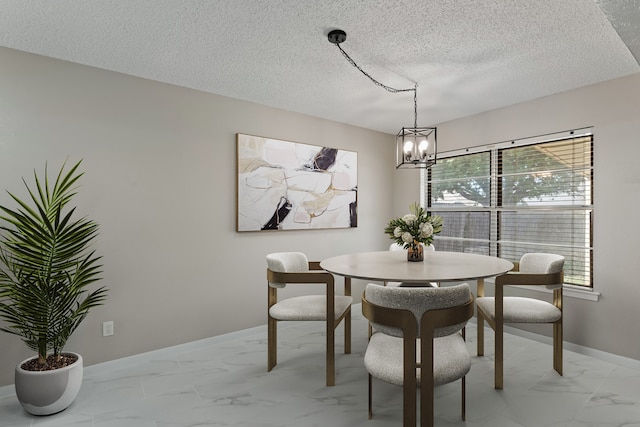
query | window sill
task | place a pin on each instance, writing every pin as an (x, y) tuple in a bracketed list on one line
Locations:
[(570, 291)]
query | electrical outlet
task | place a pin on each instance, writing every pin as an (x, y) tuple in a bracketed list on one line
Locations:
[(107, 328)]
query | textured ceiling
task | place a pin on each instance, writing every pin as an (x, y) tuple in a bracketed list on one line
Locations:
[(467, 56)]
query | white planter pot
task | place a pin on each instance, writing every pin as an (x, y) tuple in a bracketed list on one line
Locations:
[(48, 392)]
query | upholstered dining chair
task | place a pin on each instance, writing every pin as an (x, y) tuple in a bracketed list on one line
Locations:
[(539, 269), (396, 247), (418, 341), (294, 268)]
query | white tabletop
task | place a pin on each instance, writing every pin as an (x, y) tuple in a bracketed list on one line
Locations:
[(436, 267)]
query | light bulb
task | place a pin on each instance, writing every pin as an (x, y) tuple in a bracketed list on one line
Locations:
[(408, 150), (422, 148), (408, 147)]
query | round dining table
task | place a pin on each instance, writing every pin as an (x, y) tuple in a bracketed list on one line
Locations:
[(438, 266)]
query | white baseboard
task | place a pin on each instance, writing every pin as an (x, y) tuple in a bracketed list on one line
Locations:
[(9, 390), (586, 351)]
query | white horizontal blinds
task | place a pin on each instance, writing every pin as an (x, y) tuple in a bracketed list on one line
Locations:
[(518, 197), (552, 173), (545, 203), (461, 181), (459, 189)]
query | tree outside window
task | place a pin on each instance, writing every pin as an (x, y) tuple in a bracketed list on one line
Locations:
[(507, 201)]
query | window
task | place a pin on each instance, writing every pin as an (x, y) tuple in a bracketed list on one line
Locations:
[(521, 196)]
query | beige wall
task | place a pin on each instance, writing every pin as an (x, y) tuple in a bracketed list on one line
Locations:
[(613, 109), (160, 181)]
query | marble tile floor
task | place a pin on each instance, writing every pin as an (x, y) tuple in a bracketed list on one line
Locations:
[(223, 381)]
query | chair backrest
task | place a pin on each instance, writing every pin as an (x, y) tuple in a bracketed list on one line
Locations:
[(287, 262), (418, 300), (541, 263)]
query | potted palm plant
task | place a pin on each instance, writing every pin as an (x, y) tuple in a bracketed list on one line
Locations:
[(46, 267)]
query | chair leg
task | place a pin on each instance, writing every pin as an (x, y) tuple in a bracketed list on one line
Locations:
[(498, 328), (427, 396), (557, 333), (557, 346), (347, 318), (272, 330), (464, 398), (347, 332), (331, 360), (409, 406), (464, 384), (480, 342), (272, 344), (499, 355), (370, 397)]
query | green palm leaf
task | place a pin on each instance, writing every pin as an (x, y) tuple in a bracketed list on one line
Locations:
[(46, 264)]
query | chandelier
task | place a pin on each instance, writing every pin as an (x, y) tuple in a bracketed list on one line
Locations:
[(415, 146)]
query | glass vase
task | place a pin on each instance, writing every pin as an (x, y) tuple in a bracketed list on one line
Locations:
[(415, 253)]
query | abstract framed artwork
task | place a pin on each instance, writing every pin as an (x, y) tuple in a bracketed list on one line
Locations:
[(285, 185)]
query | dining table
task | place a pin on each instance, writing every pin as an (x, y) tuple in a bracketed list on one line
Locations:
[(438, 266)]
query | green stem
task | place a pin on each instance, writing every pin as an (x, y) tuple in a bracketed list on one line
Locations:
[(42, 351)]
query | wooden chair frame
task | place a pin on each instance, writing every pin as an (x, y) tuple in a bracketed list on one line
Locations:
[(518, 279), (315, 276), (406, 321)]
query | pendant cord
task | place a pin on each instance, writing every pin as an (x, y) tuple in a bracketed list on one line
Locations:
[(416, 147), (385, 87), (415, 106)]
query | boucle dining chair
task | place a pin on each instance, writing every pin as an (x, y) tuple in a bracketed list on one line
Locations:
[(538, 269), (418, 341), (396, 247), (294, 268)]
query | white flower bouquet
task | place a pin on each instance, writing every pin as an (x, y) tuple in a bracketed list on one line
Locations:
[(414, 228)]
